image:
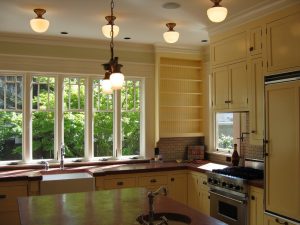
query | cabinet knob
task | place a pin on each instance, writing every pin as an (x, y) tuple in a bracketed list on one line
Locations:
[(172, 179), (153, 180), (120, 183), (252, 197), (204, 182), (2, 196), (227, 101), (281, 222), (253, 131), (251, 48), (208, 197)]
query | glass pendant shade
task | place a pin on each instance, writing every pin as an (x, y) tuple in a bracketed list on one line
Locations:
[(217, 14), (171, 36), (116, 80), (106, 86), (39, 24), (106, 30)]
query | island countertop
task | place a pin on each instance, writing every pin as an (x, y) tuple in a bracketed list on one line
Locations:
[(113, 207)]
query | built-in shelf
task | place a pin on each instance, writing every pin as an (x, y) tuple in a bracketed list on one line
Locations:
[(180, 98)]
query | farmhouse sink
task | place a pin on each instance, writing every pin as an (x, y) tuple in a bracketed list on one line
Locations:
[(60, 183), (165, 218)]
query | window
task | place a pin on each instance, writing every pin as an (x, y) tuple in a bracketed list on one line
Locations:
[(11, 117), (103, 122), (227, 131), (39, 112), (131, 117), (43, 108), (74, 99)]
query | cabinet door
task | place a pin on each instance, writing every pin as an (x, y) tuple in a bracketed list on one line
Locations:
[(256, 216), (220, 88), (270, 220), (257, 101), (238, 86), (193, 191), (117, 183), (205, 202), (255, 40), (283, 160), (177, 187), (283, 48)]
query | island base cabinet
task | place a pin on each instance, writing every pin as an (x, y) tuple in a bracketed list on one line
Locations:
[(10, 218)]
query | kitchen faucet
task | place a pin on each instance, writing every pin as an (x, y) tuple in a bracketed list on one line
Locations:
[(62, 156), (151, 195)]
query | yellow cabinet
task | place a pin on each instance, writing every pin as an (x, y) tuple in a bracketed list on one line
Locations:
[(152, 181), (256, 214), (198, 195), (177, 186), (271, 220), (256, 101), (229, 49), (255, 38), (282, 149), (9, 192), (115, 181), (230, 87), (283, 48)]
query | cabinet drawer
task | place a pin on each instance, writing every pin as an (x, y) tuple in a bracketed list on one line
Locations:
[(153, 180), (119, 183), (10, 218), (9, 195)]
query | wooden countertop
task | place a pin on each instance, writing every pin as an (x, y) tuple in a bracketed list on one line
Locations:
[(123, 168), (113, 207)]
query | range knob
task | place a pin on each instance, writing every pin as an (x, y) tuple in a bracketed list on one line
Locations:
[(215, 181), (230, 186), (223, 184), (237, 187), (210, 180)]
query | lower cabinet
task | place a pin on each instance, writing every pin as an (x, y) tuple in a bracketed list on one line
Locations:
[(177, 186), (115, 182), (256, 209), (9, 192), (198, 195), (272, 220)]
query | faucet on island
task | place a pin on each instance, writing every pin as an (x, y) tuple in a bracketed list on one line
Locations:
[(62, 156), (151, 195)]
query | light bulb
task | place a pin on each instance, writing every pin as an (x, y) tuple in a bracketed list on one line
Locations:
[(106, 30), (171, 36), (39, 24), (116, 80), (217, 14), (106, 86)]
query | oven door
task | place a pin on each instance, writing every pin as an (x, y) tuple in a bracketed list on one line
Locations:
[(228, 208)]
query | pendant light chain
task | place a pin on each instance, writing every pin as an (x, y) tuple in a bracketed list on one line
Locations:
[(112, 5)]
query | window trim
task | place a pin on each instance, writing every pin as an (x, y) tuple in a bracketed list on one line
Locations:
[(27, 156)]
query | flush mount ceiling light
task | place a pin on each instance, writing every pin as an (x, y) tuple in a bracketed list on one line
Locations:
[(39, 24), (217, 13), (114, 78), (106, 29), (171, 36)]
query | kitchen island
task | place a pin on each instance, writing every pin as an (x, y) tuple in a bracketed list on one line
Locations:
[(112, 207)]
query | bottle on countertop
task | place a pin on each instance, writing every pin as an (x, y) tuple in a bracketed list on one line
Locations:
[(235, 158)]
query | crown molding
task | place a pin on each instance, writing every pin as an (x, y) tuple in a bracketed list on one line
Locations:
[(264, 8), (73, 42), (189, 50)]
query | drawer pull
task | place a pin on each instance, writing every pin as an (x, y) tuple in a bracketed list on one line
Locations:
[(252, 197), (3, 196), (251, 49), (278, 221), (153, 180), (228, 101), (172, 179), (120, 183)]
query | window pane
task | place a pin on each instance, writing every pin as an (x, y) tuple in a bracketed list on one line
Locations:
[(43, 104), (43, 135), (103, 122), (130, 98), (224, 130), (74, 117)]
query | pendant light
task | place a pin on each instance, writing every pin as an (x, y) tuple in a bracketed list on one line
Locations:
[(106, 29), (171, 36), (113, 68), (39, 24), (217, 13)]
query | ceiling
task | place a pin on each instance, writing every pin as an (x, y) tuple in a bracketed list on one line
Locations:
[(141, 20)]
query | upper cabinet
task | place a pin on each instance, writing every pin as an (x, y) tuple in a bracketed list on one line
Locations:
[(255, 37), (180, 98), (283, 47), (230, 87), (229, 49)]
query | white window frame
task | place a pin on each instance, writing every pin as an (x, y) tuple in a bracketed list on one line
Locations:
[(27, 156)]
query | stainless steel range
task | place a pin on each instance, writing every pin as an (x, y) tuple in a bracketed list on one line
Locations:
[(229, 193)]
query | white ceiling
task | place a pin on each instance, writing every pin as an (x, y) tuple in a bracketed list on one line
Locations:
[(142, 20)]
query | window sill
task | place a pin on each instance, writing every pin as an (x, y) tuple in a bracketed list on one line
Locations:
[(221, 153)]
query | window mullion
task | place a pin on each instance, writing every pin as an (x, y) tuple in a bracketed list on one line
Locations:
[(88, 148), (117, 125), (59, 115), (27, 120)]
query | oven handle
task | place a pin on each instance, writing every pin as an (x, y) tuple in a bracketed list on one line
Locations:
[(242, 202)]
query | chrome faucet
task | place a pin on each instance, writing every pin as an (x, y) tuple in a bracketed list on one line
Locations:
[(46, 165), (151, 195), (62, 156)]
